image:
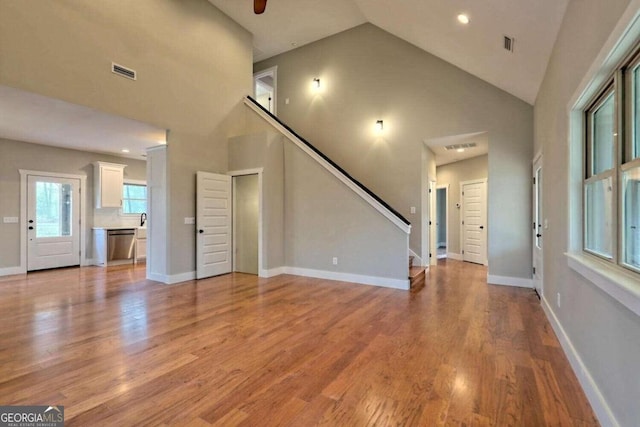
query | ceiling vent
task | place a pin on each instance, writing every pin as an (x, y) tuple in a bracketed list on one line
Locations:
[(123, 71), (508, 43), (458, 146)]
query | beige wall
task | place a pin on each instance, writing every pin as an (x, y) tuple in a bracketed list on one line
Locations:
[(452, 175), (605, 335), (367, 74), (16, 155), (193, 64)]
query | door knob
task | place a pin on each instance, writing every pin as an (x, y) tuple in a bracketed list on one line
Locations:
[(538, 235), (30, 228), (30, 221), (482, 227), (200, 231)]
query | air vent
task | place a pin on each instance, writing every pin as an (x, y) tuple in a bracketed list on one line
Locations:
[(459, 146), (123, 71), (508, 43)]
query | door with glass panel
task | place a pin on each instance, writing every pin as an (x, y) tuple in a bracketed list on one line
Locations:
[(53, 222)]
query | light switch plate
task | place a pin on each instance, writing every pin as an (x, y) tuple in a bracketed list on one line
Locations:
[(413, 209), (10, 219), (189, 220)]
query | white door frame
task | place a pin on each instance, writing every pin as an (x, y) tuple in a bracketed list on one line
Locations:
[(433, 252), (269, 71), (486, 206), (256, 171), (538, 227), (444, 187), (24, 174)]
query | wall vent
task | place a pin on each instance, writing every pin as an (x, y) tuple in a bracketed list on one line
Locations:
[(508, 43), (123, 71), (458, 146)]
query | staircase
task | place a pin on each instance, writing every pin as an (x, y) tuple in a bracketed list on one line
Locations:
[(417, 275)]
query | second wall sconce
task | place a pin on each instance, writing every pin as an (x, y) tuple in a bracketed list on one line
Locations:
[(379, 125), (316, 83)]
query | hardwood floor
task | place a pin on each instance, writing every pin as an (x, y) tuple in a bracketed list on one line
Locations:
[(118, 350)]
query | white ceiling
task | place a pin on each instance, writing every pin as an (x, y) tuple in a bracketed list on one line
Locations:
[(26, 116), (443, 156), (428, 24)]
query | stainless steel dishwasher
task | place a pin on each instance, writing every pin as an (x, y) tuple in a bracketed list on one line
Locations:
[(120, 244)]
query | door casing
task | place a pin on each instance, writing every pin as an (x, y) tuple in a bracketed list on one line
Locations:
[(24, 174)]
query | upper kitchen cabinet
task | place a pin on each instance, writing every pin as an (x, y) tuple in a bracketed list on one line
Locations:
[(108, 181)]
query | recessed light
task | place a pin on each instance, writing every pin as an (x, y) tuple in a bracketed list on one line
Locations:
[(294, 44), (463, 19), (124, 150)]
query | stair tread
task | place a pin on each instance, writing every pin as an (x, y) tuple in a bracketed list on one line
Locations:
[(416, 271)]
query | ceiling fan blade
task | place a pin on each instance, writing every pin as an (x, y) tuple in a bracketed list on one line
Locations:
[(259, 6)]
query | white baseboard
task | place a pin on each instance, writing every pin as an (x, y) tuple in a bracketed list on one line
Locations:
[(509, 281), (171, 279), (416, 259), (272, 272), (10, 271), (343, 277), (87, 262), (596, 399), (441, 256), (453, 255)]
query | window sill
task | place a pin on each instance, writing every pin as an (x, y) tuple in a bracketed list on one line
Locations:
[(621, 285)]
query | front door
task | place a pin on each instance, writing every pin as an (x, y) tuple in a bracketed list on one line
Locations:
[(537, 226), (53, 222), (213, 223), (474, 219)]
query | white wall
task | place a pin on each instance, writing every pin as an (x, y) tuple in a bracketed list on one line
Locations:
[(604, 334)]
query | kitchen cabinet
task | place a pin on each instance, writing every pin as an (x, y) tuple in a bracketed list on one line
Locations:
[(108, 181), (141, 244)]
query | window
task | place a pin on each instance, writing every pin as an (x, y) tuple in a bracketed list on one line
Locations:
[(134, 198), (611, 183)]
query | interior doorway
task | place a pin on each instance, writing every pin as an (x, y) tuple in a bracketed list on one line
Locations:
[(265, 85), (442, 240), (246, 214)]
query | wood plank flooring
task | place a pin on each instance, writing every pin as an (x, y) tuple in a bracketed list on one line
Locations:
[(118, 350)]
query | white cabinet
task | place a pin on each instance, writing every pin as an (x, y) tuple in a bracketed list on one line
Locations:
[(108, 182), (141, 244)]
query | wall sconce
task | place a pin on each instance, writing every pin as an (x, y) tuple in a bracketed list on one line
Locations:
[(379, 125), (316, 83)]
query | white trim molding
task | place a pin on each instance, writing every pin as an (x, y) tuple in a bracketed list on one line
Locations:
[(519, 282), (329, 167), (12, 271), (24, 174), (416, 258), (171, 279), (384, 282), (594, 395), (619, 284)]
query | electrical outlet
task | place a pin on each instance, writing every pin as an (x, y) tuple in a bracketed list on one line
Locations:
[(10, 219), (413, 209), (286, 101), (335, 260), (558, 299)]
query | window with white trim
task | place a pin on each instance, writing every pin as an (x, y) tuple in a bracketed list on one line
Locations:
[(134, 198), (611, 214)]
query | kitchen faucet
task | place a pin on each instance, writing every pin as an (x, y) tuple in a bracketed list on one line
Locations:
[(143, 219)]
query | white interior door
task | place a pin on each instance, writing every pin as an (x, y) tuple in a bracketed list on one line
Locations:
[(53, 222), (537, 226), (433, 235), (213, 222), (474, 221)]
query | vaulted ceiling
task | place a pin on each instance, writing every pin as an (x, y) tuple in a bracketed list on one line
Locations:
[(432, 25)]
